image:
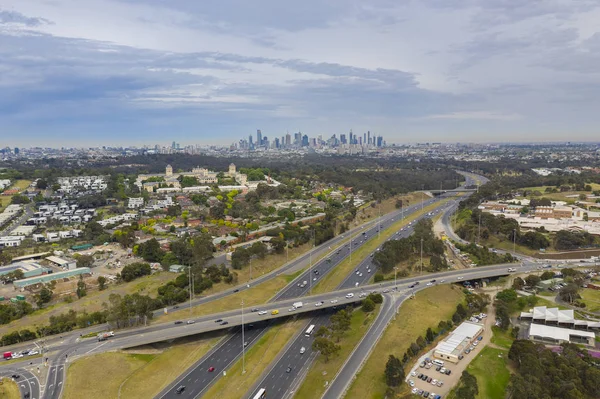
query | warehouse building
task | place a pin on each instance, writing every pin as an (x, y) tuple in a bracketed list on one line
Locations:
[(67, 264), (29, 268), (559, 318), (51, 277), (461, 338)]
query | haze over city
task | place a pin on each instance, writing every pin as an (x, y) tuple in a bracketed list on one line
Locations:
[(125, 72)]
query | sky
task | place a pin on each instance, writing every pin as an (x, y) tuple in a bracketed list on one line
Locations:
[(133, 72)]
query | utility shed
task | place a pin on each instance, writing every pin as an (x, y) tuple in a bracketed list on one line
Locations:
[(68, 264)]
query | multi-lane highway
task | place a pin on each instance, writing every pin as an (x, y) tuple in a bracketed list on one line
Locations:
[(197, 379), (291, 367)]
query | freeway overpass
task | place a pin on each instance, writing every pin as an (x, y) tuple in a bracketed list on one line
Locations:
[(205, 324)]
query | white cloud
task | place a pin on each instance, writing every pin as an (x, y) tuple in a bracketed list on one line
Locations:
[(478, 115)]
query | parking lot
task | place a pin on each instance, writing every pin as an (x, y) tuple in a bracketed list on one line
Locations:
[(431, 380)]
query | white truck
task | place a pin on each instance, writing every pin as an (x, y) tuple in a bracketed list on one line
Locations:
[(297, 305)]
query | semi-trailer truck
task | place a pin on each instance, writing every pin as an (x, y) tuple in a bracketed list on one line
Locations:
[(297, 305)]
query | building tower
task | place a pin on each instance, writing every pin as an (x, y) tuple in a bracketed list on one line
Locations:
[(169, 171), (231, 169)]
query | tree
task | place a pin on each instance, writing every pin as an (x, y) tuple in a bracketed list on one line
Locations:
[(85, 261), (340, 323), (547, 275), (327, 347), (135, 270), (429, 335), (41, 184), (532, 280), (101, 282), (81, 288), (468, 388), (368, 305), (44, 296), (518, 283), (394, 372), (569, 293), (150, 251)]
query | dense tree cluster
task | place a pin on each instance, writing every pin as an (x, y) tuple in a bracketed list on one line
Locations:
[(396, 251), (542, 373), (483, 256), (135, 270)]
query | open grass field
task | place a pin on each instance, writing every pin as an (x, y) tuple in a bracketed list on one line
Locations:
[(9, 389), (564, 196), (490, 369), (321, 371), (20, 185), (591, 298), (415, 316), (501, 338), (133, 375), (146, 285), (235, 384), (334, 278)]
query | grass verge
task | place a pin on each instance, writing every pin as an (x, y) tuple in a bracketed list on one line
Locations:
[(415, 316), (334, 278), (138, 375), (9, 389), (235, 384), (321, 371), (490, 369)]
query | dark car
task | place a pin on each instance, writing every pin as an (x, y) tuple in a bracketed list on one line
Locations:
[(316, 272), (176, 307), (211, 369), (179, 322), (16, 376), (417, 283), (288, 370), (180, 389), (218, 320), (411, 286), (236, 290), (433, 281), (255, 310), (224, 323)]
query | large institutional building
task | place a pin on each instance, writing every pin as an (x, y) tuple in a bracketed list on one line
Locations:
[(203, 175)]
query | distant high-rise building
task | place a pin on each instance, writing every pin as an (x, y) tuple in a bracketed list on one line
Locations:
[(343, 138), (259, 141), (173, 145), (365, 138), (379, 141), (351, 139), (369, 137), (276, 142), (305, 141), (288, 140), (298, 138), (360, 141)]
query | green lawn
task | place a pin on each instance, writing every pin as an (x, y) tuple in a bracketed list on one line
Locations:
[(501, 338), (591, 298), (490, 368)]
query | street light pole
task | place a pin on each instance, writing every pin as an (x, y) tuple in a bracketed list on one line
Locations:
[(422, 195), (190, 285), (421, 255), (514, 240), (310, 265), (243, 343), (395, 281), (250, 267), (379, 222), (479, 230)]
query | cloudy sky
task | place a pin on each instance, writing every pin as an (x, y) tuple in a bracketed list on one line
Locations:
[(89, 72)]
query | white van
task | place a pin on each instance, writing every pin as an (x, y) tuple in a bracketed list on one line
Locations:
[(438, 362)]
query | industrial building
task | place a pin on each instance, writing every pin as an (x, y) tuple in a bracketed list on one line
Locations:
[(558, 335), (460, 339), (50, 277), (68, 264), (29, 268)]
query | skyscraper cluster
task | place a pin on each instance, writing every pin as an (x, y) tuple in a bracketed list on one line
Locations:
[(299, 140)]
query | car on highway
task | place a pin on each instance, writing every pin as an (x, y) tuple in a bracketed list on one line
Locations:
[(255, 310), (357, 272), (245, 344), (386, 291), (349, 295), (319, 304), (236, 290), (211, 369), (224, 323), (218, 320), (262, 312), (179, 322), (16, 376), (291, 309), (429, 284), (275, 312), (334, 301), (360, 275), (433, 281), (459, 278), (288, 370), (191, 321), (302, 350), (314, 279), (180, 389)]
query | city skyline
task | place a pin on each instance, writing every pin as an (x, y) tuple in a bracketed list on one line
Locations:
[(131, 73)]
